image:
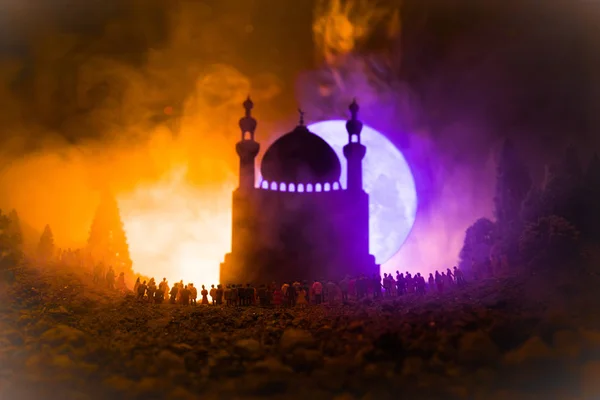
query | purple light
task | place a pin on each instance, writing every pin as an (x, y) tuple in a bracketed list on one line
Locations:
[(389, 182)]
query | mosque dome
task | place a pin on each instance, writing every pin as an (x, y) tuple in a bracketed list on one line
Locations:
[(300, 156)]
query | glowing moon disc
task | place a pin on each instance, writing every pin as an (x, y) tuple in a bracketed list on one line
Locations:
[(388, 181)]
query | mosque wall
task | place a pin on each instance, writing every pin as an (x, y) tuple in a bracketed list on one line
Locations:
[(299, 235)]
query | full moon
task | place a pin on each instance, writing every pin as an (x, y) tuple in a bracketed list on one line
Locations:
[(388, 181)]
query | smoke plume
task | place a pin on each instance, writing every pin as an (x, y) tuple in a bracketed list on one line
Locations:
[(144, 96)]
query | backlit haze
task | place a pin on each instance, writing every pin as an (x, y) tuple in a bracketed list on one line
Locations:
[(145, 97)]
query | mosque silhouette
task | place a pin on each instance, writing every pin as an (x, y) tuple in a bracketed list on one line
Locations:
[(299, 224)]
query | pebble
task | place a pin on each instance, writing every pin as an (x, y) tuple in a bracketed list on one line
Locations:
[(412, 366), (567, 344), (534, 349), (293, 338), (590, 380), (344, 396), (305, 359), (170, 360), (119, 383), (58, 310), (340, 353), (248, 348), (181, 393), (477, 348), (271, 365), (63, 334)]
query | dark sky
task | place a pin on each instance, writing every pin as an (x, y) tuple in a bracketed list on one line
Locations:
[(527, 68)]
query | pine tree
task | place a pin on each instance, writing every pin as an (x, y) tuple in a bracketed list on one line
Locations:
[(16, 233), (46, 245), (572, 163), (10, 255), (479, 240), (107, 241), (563, 195), (513, 182), (531, 209), (591, 225), (550, 242)]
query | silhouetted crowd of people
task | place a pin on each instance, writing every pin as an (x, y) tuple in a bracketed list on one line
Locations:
[(288, 294), (300, 294), (102, 275)]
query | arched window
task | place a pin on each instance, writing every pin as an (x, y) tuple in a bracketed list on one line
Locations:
[(336, 186), (300, 187), (291, 187), (309, 187), (327, 187), (318, 187), (273, 185), (264, 185), (354, 138), (282, 187)]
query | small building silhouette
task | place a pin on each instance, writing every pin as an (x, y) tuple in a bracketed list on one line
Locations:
[(299, 223)]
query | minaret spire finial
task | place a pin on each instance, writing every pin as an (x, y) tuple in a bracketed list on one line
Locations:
[(354, 109), (301, 116), (247, 123), (353, 125), (248, 105)]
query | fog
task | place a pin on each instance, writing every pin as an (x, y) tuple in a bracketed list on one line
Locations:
[(144, 97)]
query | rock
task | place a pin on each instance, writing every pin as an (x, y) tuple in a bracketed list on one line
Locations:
[(477, 348), (363, 355), (151, 387), (63, 361), (170, 360), (119, 383), (14, 337), (181, 348), (412, 366), (293, 338), (567, 344), (192, 362), (58, 310), (224, 364), (248, 348), (590, 383), (355, 326), (180, 393), (305, 359), (590, 341), (271, 365), (63, 334), (533, 350), (266, 385), (344, 396)]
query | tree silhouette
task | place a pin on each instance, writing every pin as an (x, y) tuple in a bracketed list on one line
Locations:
[(10, 253), (512, 185), (15, 232), (531, 209), (591, 195), (563, 195), (550, 242), (107, 241), (479, 239), (46, 245)]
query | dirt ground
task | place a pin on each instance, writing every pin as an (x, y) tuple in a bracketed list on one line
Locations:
[(510, 338)]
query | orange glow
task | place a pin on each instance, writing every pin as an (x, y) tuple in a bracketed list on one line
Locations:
[(177, 230), (173, 182)]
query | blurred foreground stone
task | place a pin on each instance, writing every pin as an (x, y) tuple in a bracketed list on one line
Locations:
[(500, 339)]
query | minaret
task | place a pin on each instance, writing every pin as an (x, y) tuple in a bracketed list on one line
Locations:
[(247, 149), (354, 151)]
